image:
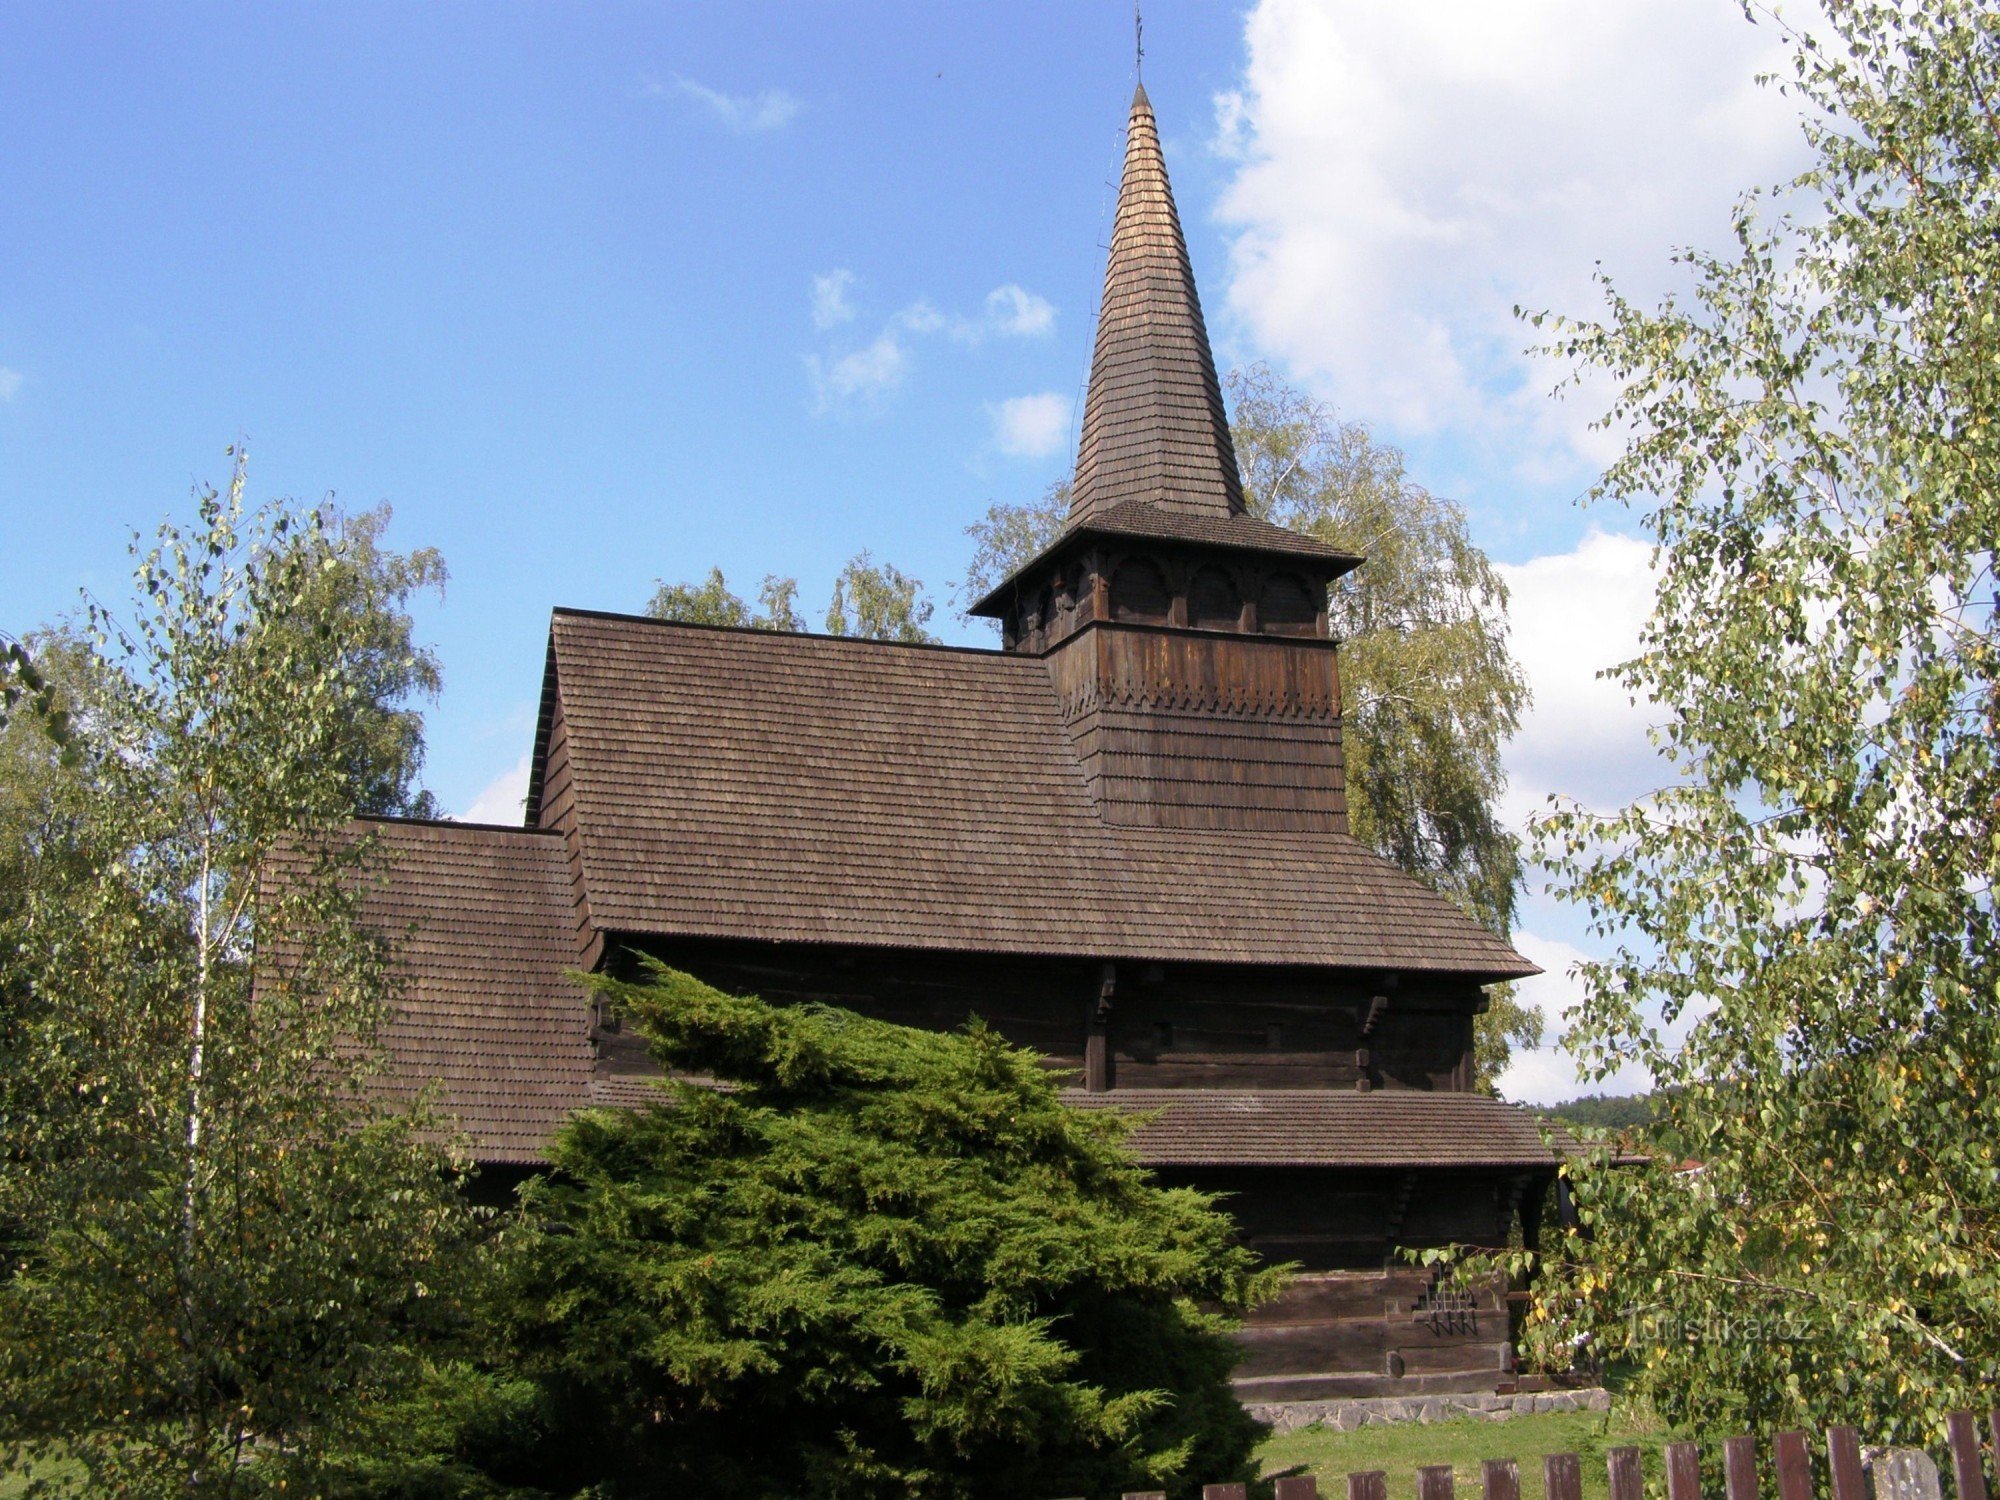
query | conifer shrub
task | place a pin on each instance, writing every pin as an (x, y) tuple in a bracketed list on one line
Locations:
[(867, 1260)]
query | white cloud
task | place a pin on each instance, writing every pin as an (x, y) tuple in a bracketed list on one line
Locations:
[(1548, 1075), (1017, 312), (864, 377), (1011, 312), (1572, 615), (1405, 174), (830, 306), (503, 799), (1031, 426), (868, 375), (921, 317), (768, 109), (10, 383)]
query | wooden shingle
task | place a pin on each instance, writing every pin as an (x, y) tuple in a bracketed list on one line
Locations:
[(489, 1017), (747, 784), (1153, 423), (1330, 1128)]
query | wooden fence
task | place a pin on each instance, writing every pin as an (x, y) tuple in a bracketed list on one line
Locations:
[(1562, 1473)]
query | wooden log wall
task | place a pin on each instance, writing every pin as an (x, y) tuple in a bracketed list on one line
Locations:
[(1398, 1331), (1170, 1026), (1357, 1320), (1355, 1219)]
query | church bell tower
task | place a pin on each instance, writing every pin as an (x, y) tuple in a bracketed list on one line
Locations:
[(1187, 639)]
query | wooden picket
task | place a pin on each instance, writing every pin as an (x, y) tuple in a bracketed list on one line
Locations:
[(1683, 1471), (1739, 1468), (1843, 1464), (1792, 1463)]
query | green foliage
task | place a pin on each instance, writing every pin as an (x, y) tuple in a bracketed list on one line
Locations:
[(353, 578), (879, 1261), (1807, 955), (1496, 1031), (871, 601), (439, 1437), (355, 591), (26, 692), (218, 1239), (1603, 1111), (1008, 535), (41, 746), (1432, 693), (877, 602), (710, 602)]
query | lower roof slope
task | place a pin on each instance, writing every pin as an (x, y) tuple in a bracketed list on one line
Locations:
[(491, 1020), (749, 784), (1388, 1128), (482, 920)]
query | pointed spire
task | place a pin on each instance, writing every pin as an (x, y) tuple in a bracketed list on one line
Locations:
[(1153, 423)]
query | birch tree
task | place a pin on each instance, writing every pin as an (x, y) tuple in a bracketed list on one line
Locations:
[(223, 1246), (1801, 925)]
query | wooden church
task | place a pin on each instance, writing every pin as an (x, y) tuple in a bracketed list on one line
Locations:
[(1121, 839)]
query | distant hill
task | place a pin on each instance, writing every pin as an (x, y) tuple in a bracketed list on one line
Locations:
[(1602, 1111)]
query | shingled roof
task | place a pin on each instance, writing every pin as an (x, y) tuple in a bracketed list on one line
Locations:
[(483, 920), (1236, 533), (1389, 1128), (750, 784), (1136, 518), (1153, 424)]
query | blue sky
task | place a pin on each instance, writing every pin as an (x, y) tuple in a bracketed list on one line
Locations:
[(596, 295)]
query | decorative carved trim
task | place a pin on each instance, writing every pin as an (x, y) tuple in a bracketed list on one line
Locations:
[(1089, 697)]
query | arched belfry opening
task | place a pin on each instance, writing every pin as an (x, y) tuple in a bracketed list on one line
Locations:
[(1139, 593)]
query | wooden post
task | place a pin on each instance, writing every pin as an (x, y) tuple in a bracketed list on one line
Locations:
[(1628, 1481), (1683, 1471), (1434, 1482), (1099, 1067), (1793, 1455), (1500, 1479), (1739, 1468), (1966, 1472), (1372, 1484), (1296, 1487), (1531, 1213), (1843, 1462), (1562, 1476)]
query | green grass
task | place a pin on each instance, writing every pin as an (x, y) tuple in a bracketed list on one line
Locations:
[(14, 1479), (1464, 1442), (1397, 1449)]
